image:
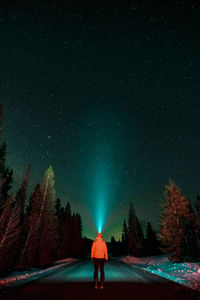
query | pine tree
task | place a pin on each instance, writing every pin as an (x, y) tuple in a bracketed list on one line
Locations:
[(132, 243), (58, 207), (49, 238), (135, 234), (65, 232), (79, 234), (113, 246), (1, 117), (190, 246), (139, 236), (20, 198), (3, 148), (76, 235), (32, 227), (6, 212), (197, 206), (6, 175), (68, 209), (125, 238), (151, 241), (7, 180), (177, 224), (9, 234)]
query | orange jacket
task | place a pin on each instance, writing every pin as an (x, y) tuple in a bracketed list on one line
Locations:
[(99, 249)]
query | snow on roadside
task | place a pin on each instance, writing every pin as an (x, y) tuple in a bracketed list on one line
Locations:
[(65, 260), (20, 277), (185, 273)]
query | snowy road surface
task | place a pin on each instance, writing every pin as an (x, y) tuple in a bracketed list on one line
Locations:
[(121, 282)]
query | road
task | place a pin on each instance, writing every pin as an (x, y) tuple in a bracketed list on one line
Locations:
[(122, 282)]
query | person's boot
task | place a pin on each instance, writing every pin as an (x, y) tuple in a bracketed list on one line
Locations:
[(102, 286), (96, 284)]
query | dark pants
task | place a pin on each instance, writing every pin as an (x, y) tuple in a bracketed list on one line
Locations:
[(99, 262)]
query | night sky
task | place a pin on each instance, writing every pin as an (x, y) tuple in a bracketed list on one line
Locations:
[(107, 95)]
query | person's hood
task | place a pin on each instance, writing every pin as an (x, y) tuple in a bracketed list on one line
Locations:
[(98, 238)]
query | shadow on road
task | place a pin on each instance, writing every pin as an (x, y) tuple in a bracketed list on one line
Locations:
[(112, 291)]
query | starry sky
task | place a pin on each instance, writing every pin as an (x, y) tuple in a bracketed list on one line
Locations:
[(109, 95)]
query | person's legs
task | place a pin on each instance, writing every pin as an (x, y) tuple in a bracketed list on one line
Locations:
[(102, 278), (96, 265)]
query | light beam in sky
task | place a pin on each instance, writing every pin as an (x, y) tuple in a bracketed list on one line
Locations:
[(102, 181), (102, 162)]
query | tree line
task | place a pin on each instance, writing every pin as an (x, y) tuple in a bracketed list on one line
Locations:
[(133, 240), (178, 235), (38, 231)]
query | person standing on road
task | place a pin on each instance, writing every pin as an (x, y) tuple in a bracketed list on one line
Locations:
[(99, 254)]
